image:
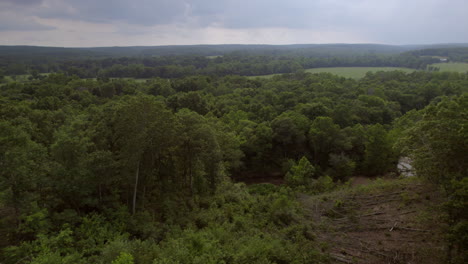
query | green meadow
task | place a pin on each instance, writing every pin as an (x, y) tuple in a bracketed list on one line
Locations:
[(347, 72), (452, 66)]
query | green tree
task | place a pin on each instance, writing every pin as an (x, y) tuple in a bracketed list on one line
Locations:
[(145, 132), (379, 156), (124, 258), (300, 173), (325, 137), (71, 178), (438, 142), (2, 76), (23, 164), (289, 133), (201, 156), (437, 145), (158, 86), (341, 167)]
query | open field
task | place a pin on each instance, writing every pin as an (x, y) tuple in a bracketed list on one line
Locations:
[(24, 78), (213, 56), (140, 80), (347, 72), (452, 66)]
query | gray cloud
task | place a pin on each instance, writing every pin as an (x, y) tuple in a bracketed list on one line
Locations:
[(142, 12), (264, 13), (22, 2), (389, 21), (16, 17), (22, 26)]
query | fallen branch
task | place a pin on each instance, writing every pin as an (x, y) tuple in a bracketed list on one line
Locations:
[(414, 229), (377, 213), (381, 202), (340, 258), (380, 195), (368, 250), (409, 212), (403, 240)]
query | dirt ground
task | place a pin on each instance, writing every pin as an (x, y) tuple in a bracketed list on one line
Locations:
[(386, 221)]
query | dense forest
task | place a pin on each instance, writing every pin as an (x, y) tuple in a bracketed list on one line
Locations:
[(118, 171), (213, 60), (453, 54)]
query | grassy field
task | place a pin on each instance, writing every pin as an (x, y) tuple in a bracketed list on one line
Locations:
[(24, 78), (452, 66), (347, 72), (213, 56), (140, 80)]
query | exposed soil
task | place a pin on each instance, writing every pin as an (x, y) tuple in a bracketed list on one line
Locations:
[(393, 221), (264, 179), (275, 178), (360, 180)]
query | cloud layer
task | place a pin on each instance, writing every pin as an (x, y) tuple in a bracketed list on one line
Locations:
[(163, 22)]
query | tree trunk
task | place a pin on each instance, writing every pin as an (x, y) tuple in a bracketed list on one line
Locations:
[(136, 188), (143, 196), (100, 194), (190, 178)]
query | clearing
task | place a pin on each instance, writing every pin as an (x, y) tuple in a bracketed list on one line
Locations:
[(452, 66), (381, 221), (347, 72)]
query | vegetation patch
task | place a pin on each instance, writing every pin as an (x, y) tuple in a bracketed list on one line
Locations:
[(347, 72), (451, 66), (97, 167), (384, 221)]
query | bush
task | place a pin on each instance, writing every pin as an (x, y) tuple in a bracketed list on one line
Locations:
[(300, 174), (124, 258)]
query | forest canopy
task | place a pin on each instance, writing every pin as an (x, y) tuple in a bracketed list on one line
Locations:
[(103, 170)]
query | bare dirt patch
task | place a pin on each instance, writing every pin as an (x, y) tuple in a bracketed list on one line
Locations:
[(275, 178), (383, 222)]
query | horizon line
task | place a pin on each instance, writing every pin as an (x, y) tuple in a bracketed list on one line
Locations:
[(234, 44)]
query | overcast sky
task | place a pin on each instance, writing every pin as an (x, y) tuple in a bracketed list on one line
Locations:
[(85, 23)]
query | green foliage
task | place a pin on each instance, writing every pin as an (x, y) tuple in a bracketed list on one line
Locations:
[(437, 146), (458, 220), (116, 170), (348, 72), (300, 173), (289, 132), (21, 159), (322, 184), (437, 143), (124, 258), (325, 138), (452, 67), (379, 156), (341, 167)]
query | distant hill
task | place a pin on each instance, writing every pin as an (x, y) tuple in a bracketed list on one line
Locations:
[(457, 54), (308, 50), (176, 61)]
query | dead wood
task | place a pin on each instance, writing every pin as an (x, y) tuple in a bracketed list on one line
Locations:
[(340, 258)]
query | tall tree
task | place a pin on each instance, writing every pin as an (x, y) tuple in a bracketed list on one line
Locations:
[(379, 155), (144, 130), (326, 137)]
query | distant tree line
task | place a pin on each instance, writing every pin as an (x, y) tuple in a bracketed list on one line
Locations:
[(230, 64), (453, 54)]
